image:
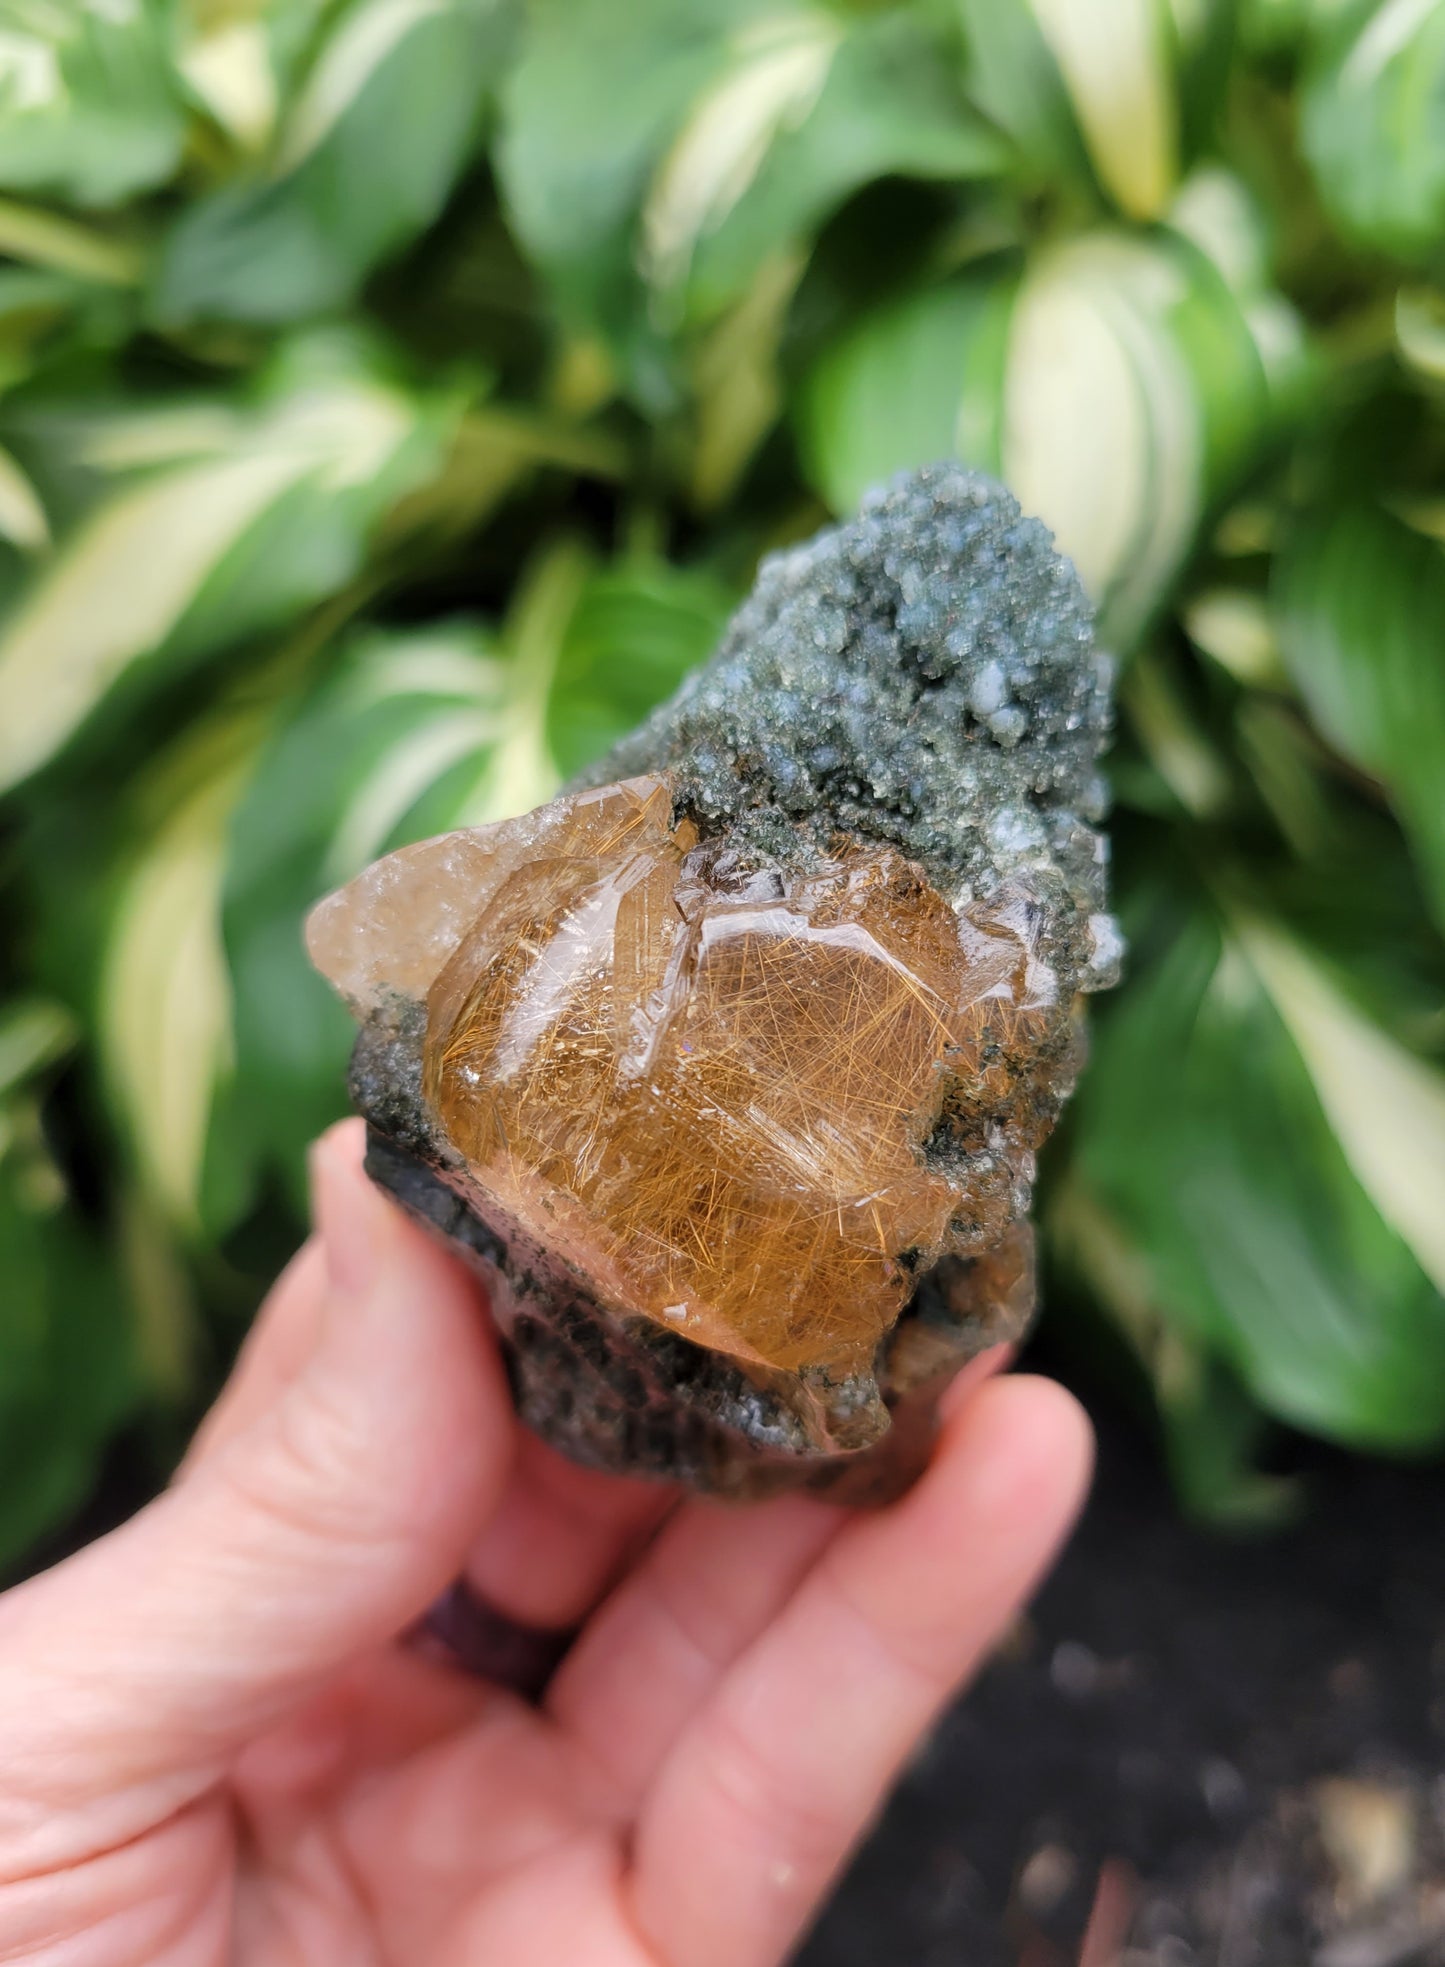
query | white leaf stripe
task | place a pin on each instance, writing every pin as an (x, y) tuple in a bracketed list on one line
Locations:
[(22, 516), (1386, 1106), (118, 594), (122, 585), (368, 36), (166, 995), (409, 769), (1114, 60), (777, 75)]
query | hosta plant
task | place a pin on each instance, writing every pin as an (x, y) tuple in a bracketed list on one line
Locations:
[(396, 394)]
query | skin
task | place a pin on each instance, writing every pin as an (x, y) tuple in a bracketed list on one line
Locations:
[(216, 1748)]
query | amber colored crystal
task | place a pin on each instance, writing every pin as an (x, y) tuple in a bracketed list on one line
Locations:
[(709, 1088)]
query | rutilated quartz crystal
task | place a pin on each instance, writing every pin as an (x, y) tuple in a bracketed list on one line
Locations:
[(728, 1071)]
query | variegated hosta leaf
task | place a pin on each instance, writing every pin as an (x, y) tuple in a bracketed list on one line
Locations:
[(1236, 1128), (227, 62), (1108, 83), (1117, 387), (656, 159), (1359, 598), (775, 72), (1420, 331), (805, 112), (1217, 213), (339, 193), (1147, 333), (89, 108), (1386, 1106), (1116, 62), (165, 991), (34, 1032), (1234, 626), (1373, 122), (41, 238), (394, 744), (1093, 375), (256, 517), (22, 516)]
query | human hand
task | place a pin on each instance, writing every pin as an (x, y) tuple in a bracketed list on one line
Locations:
[(215, 1749)]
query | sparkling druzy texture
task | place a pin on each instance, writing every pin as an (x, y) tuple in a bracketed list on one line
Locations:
[(729, 1070)]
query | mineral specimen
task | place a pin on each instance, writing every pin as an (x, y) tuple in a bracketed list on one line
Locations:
[(729, 1069)]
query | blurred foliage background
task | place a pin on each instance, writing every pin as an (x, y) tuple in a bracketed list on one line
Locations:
[(395, 395)]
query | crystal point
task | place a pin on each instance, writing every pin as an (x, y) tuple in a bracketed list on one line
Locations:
[(730, 1073)]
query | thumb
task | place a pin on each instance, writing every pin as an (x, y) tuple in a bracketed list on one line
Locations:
[(302, 1539)]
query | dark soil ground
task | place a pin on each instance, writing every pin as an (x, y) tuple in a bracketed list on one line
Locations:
[(1195, 1752)]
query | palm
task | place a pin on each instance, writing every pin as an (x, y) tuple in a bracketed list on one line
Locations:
[(216, 1748), (412, 1814)]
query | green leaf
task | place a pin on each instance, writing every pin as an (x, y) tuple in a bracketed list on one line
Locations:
[(34, 1033), (22, 516), (1359, 599), (270, 512), (68, 1371), (1206, 33), (90, 109), (1212, 1429), (1118, 389), (1386, 1106), (48, 240), (32, 302), (1253, 1232), (341, 194), (656, 161), (1135, 351), (595, 97), (1116, 60), (917, 380), (872, 103), (637, 630), (165, 996), (1268, 27), (1015, 78), (1372, 120)]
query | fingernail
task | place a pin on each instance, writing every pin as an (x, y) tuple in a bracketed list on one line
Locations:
[(351, 1219)]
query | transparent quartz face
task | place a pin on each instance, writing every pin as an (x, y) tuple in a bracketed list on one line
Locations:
[(715, 1090)]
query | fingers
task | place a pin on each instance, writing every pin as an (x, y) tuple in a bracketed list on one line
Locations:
[(769, 1787), (712, 1582), (559, 1536), (318, 1529), (560, 1533), (715, 1578)]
